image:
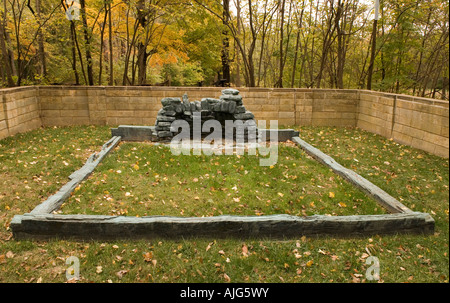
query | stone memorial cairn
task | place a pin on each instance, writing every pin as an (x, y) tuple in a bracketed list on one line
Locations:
[(228, 107)]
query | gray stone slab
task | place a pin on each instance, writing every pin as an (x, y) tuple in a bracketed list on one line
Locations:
[(244, 116), (282, 135), (165, 118), (230, 91), (165, 134), (233, 98), (170, 101), (88, 227), (240, 109)]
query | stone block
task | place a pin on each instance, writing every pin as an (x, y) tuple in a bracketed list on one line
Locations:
[(441, 151), (165, 134), (286, 115), (244, 116), (74, 113), (230, 91), (165, 119)]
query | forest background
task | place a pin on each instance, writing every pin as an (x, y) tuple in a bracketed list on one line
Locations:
[(284, 43)]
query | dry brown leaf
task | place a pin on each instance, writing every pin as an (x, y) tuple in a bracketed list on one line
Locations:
[(209, 246), (226, 277), (148, 256), (121, 273), (245, 250)]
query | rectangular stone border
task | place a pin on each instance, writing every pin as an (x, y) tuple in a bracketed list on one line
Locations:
[(41, 224)]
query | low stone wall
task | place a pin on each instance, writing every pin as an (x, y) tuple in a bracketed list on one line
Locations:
[(140, 105), (419, 122), (19, 110)]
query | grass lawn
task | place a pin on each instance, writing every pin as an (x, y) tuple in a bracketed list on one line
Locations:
[(140, 179), (36, 164)]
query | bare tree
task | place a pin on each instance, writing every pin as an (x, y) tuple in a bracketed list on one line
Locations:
[(5, 56)]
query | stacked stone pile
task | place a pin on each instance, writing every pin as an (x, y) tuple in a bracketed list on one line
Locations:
[(228, 107)]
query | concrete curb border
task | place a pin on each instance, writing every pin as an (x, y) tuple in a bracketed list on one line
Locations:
[(41, 224)]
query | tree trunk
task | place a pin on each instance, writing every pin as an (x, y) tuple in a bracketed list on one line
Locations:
[(74, 53), (102, 43), (279, 83), (372, 55), (5, 56), (87, 38), (226, 45), (142, 63), (340, 47), (327, 42), (238, 63), (111, 64), (41, 49)]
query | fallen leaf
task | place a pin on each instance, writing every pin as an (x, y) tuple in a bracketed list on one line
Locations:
[(281, 195), (331, 194), (209, 246), (148, 256), (226, 277), (121, 273), (245, 250), (10, 254), (221, 252), (309, 263), (299, 271), (99, 269), (342, 204)]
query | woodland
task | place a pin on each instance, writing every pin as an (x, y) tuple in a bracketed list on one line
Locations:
[(346, 44)]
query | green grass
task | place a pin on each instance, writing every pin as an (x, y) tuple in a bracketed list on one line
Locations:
[(142, 179), (32, 168)]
